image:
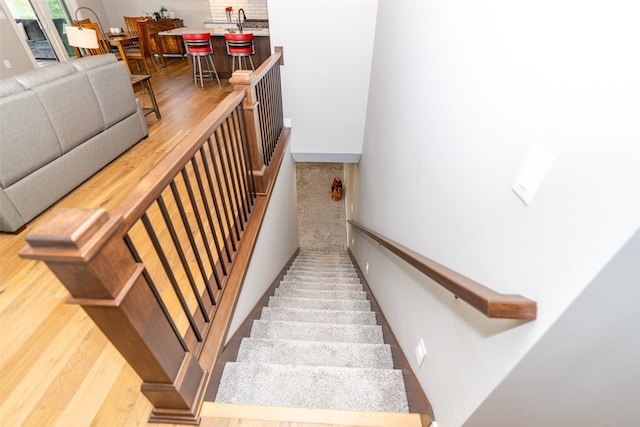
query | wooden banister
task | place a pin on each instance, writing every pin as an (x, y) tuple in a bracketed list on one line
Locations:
[(138, 200), (152, 273), (262, 107), (81, 249), (484, 299)]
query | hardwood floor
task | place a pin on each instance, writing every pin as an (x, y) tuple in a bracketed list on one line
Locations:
[(56, 367)]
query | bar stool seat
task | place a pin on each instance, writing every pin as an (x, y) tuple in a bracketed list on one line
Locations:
[(199, 46), (240, 45)]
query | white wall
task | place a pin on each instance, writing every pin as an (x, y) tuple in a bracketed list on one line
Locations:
[(253, 9), (14, 51), (459, 91), (192, 12), (277, 242), (589, 356), (327, 52)]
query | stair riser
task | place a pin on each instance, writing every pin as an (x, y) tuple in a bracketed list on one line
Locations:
[(319, 316)]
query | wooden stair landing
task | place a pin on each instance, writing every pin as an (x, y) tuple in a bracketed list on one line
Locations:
[(216, 414)]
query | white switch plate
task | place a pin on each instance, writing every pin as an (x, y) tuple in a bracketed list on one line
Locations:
[(421, 352), (532, 173)]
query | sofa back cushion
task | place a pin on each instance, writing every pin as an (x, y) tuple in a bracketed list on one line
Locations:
[(27, 138), (93, 61), (72, 108), (43, 75), (10, 86), (112, 87)]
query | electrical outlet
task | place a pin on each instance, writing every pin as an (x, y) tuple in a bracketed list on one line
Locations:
[(421, 352)]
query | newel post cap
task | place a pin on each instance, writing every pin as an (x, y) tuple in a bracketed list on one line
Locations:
[(71, 234)]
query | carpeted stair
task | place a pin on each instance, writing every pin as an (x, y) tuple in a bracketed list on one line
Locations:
[(316, 345)]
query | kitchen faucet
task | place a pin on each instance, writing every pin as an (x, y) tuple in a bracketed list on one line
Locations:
[(244, 18)]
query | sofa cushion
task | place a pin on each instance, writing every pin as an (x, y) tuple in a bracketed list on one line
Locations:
[(93, 61), (72, 108), (44, 75), (27, 138), (9, 86), (112, 87)]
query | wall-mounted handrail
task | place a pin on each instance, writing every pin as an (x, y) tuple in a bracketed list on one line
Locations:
[(480, 297)]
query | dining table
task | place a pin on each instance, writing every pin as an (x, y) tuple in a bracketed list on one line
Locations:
[(120, 40)]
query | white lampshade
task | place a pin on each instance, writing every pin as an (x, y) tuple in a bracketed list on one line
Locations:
[(82, 37)]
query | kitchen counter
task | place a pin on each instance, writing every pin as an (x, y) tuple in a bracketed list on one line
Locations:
[(215, 31), (222, 61)]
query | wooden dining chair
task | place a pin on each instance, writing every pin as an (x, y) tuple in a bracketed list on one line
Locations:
[(131, 25), (142, 51)]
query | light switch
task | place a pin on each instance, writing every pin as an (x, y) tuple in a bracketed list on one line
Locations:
[(532, 173)]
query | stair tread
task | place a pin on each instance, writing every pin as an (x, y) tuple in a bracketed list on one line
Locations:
[(321, 286), (317, 331), (321, 294), (321, 279), (321, 267), (313, 387), (318, 316), (320, 304), (321, 273), (315, 353), (316, 345)]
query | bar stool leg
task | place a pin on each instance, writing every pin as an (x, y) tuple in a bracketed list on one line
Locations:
[(200, 69), (213, 68), (193, 63)]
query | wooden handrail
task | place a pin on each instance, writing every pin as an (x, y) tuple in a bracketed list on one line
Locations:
[(485, 300), (138, 200)]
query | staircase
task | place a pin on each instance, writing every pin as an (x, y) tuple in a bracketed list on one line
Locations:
[(316, 345)]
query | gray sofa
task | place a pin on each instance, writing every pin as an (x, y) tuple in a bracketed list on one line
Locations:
[(59, 125)]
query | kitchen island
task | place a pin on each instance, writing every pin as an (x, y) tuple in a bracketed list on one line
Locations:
[(222, 61)]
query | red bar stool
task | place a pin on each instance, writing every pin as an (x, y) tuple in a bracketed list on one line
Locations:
[(239, 45), (198, 46)]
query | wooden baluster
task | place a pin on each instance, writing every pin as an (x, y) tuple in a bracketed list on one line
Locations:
[(84, 248), (241, 80)]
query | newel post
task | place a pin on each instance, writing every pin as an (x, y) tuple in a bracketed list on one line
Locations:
[(241, 79), (84, 249)]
